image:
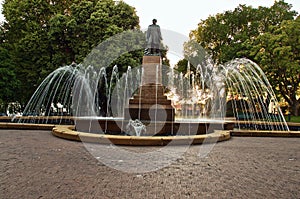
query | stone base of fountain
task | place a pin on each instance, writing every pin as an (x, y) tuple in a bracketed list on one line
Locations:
[(150, 105), (67, 132), (117, 126)]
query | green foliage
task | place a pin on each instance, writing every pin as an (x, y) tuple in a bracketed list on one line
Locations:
[(8, 80), (268, 36), (230, 34), (44, 35), (278, 53), (295, 119), (181, 66)]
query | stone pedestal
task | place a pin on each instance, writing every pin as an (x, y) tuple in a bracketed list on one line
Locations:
[(151, 70), (150, 105)]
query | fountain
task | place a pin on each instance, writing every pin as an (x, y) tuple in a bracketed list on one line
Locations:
[(148, 105), (156, 100)]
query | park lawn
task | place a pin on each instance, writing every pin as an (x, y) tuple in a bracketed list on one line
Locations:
[(293, 119)]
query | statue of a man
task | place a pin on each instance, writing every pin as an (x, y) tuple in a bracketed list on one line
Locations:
[(153, 38)]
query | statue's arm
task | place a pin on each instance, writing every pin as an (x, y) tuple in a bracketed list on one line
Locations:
[(159, 33), (147, 35)]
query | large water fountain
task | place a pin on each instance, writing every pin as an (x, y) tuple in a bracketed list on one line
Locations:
[(157, 100)]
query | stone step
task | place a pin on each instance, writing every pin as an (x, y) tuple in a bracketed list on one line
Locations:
[(150, 113), (158, 97), (152, 106), (163, 101), (151, 90)]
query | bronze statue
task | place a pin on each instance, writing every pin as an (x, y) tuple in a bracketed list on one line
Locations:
[(153, 38)]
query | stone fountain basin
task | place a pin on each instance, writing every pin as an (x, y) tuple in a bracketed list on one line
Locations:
[(117, 126)]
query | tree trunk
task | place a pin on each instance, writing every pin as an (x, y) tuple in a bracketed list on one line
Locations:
[(295, 108), (5, 107)]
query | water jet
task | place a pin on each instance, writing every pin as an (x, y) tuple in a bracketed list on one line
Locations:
[(157, 100)]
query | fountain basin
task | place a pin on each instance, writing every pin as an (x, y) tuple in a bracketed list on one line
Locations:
[(67, 132), (117, 126)]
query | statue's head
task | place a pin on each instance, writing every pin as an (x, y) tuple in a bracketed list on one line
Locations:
[(154, 21)]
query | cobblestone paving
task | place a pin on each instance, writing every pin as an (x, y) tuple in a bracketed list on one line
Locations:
[(34, 164)]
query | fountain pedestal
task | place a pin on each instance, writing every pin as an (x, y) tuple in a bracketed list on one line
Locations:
[(150, 105), (153, 109)]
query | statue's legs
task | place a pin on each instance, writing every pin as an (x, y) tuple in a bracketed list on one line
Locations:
[(153, 50)]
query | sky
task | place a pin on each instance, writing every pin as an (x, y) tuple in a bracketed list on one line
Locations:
[(183, 16), (178, 18)]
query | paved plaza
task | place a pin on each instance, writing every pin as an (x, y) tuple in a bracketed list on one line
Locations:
[(35, 164)]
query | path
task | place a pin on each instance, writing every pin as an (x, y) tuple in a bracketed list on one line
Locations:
[(34, 164)]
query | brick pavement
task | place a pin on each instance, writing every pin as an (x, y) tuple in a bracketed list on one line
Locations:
[(35, 164)]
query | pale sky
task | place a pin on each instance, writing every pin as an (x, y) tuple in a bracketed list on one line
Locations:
[(183, 16)]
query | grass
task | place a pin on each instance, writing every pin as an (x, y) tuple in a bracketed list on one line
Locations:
[(293, 119)]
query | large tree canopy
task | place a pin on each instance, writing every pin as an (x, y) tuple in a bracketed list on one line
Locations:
[(230, 34), (8, 80), (268, 36), (278, 53), (42, 35)]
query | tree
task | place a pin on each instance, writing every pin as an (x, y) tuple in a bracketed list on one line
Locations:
[(44, 35), (260, 34), (278, 53), (229, 35), (8, 80)]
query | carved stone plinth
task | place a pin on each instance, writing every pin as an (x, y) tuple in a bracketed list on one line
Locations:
[(151, 70), (150, 107), (150, 104)]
